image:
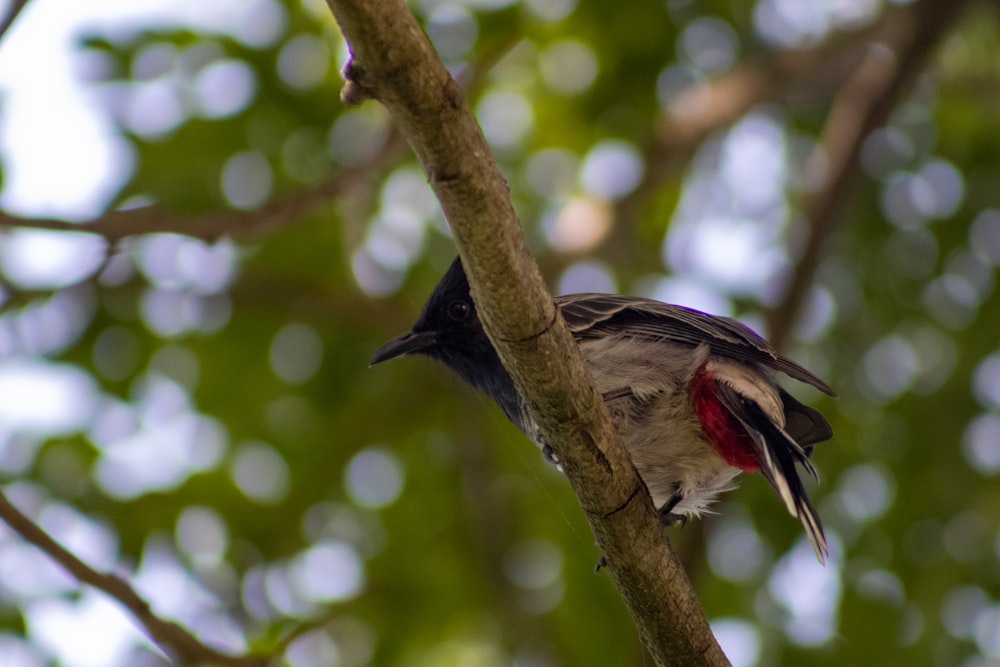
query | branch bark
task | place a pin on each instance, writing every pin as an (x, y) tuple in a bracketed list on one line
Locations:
[(174, 640), (393, 62)]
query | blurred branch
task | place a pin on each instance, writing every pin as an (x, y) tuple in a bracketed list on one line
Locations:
[(393, 62), (790, 77), (701, 110), (13, 12), (273, 216), (175, 641), (863, 104), (242, 225)]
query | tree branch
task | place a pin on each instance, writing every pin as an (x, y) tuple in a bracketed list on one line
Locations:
[(696, 113), (258, 223), (175, 641), (392, 61), (13, 12), (242, 225), (861, 107)]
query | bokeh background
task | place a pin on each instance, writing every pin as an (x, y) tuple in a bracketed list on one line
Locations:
[(185, 396)]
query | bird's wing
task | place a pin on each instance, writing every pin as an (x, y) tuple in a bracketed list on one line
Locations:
[(777, 453), (598, 315)]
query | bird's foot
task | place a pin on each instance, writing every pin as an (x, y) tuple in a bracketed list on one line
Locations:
[(669, 519), (550, 455), (667, 515)]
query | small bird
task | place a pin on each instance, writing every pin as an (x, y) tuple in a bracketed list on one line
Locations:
[(691, 394)]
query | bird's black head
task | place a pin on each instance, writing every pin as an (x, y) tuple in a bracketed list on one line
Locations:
[(449, 330)]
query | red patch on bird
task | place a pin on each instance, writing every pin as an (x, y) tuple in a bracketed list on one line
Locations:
[(724, 431)]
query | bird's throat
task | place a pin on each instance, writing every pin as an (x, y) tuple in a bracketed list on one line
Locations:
[(484, 371), (722, 429)]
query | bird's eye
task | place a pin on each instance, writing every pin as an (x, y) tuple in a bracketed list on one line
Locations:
[(458, 310)]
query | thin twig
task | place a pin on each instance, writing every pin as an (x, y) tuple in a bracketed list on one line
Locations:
[(174, 640)]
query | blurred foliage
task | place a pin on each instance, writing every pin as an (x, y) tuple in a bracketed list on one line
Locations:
[(399, 511)]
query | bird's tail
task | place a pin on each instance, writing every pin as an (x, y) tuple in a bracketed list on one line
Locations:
[(777, 454)]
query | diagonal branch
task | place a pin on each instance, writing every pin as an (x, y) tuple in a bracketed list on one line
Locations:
[(12, 13), (393, 62), (861, 107), (174, 640)]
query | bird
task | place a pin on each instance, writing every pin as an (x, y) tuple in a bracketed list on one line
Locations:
[(692, 395)]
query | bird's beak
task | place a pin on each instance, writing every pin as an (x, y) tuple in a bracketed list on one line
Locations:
[(408, 343)]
